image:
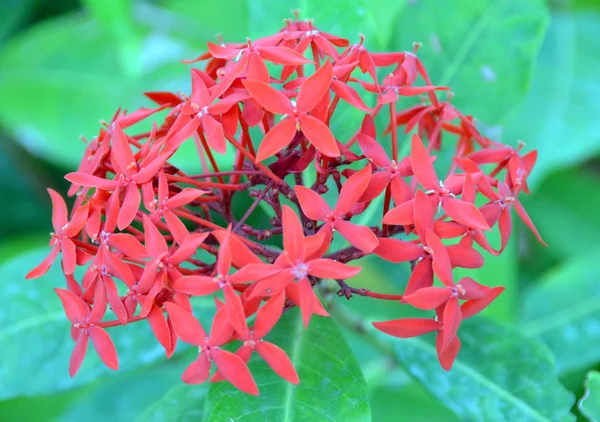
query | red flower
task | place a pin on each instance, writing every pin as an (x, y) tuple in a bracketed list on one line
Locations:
[(296, 114), (231, 366), (315, 208), (85, 326), (64, 231), (295, 264)]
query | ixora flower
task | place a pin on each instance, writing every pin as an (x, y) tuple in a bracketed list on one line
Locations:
[(138, 222)]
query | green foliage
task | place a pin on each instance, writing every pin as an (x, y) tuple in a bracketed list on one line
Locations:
[(563, 98), (590, 403), (498, 376), (182, 403), (485, 50), (563, 310), (332, 386)]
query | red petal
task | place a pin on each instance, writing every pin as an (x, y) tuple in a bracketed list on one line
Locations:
[(396, 250), (276, 139), (121, 151), (319, 135), (451, 321), (349, 94), (408, 327), (186, 326), (197, 371), (90, 181), (115, 301), (278, 361), (268, 97), (359, 236), (184, 197), (235, 311), (76, 309), (188, 247), (128, 244), (78, 353), (104, 346), (527, 220), (328, 268), (473, 290), (196, 285), (313, 204), (422, 167), (464, 256), (45, 265), (234, 370), (379, 181), (307, 299), (314, 88), (129, 207), (60, 215), (283, 55), (200, 95), (428, 298), (352, 190), (155, 242), (447, 356), (464, 212), (421, 277), (293, 236), (373, 151), (272, 285), (268, 315), (401, 215), (223, 263), (473, 307), (69, 256), (441, 261), (214, 134), (423, 213)]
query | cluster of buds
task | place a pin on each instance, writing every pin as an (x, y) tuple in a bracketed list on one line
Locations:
[(138, 221)]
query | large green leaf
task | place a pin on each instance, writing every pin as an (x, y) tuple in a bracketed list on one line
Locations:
[(589, 404), (566, 196), (332, 386), (560, 113), (484, 50), (499, 375), (563, 310), (124, 397), (35, 335), (182, 403)]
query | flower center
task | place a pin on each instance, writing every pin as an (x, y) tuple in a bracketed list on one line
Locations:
[(300, 271)]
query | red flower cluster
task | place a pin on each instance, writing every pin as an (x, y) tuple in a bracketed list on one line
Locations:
[(140, 220)]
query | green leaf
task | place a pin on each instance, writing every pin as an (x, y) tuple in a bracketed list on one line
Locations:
[(209, 18), (409, 402), (484, 50), (37, 74), (182, 403), (563, 101), (13, 13), (123, 397), (499, 375), (563, 310), (589, 405), (567, 194), (35, 335), (331, 387)]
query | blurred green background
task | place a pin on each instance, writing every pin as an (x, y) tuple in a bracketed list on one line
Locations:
[(528, 69)]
